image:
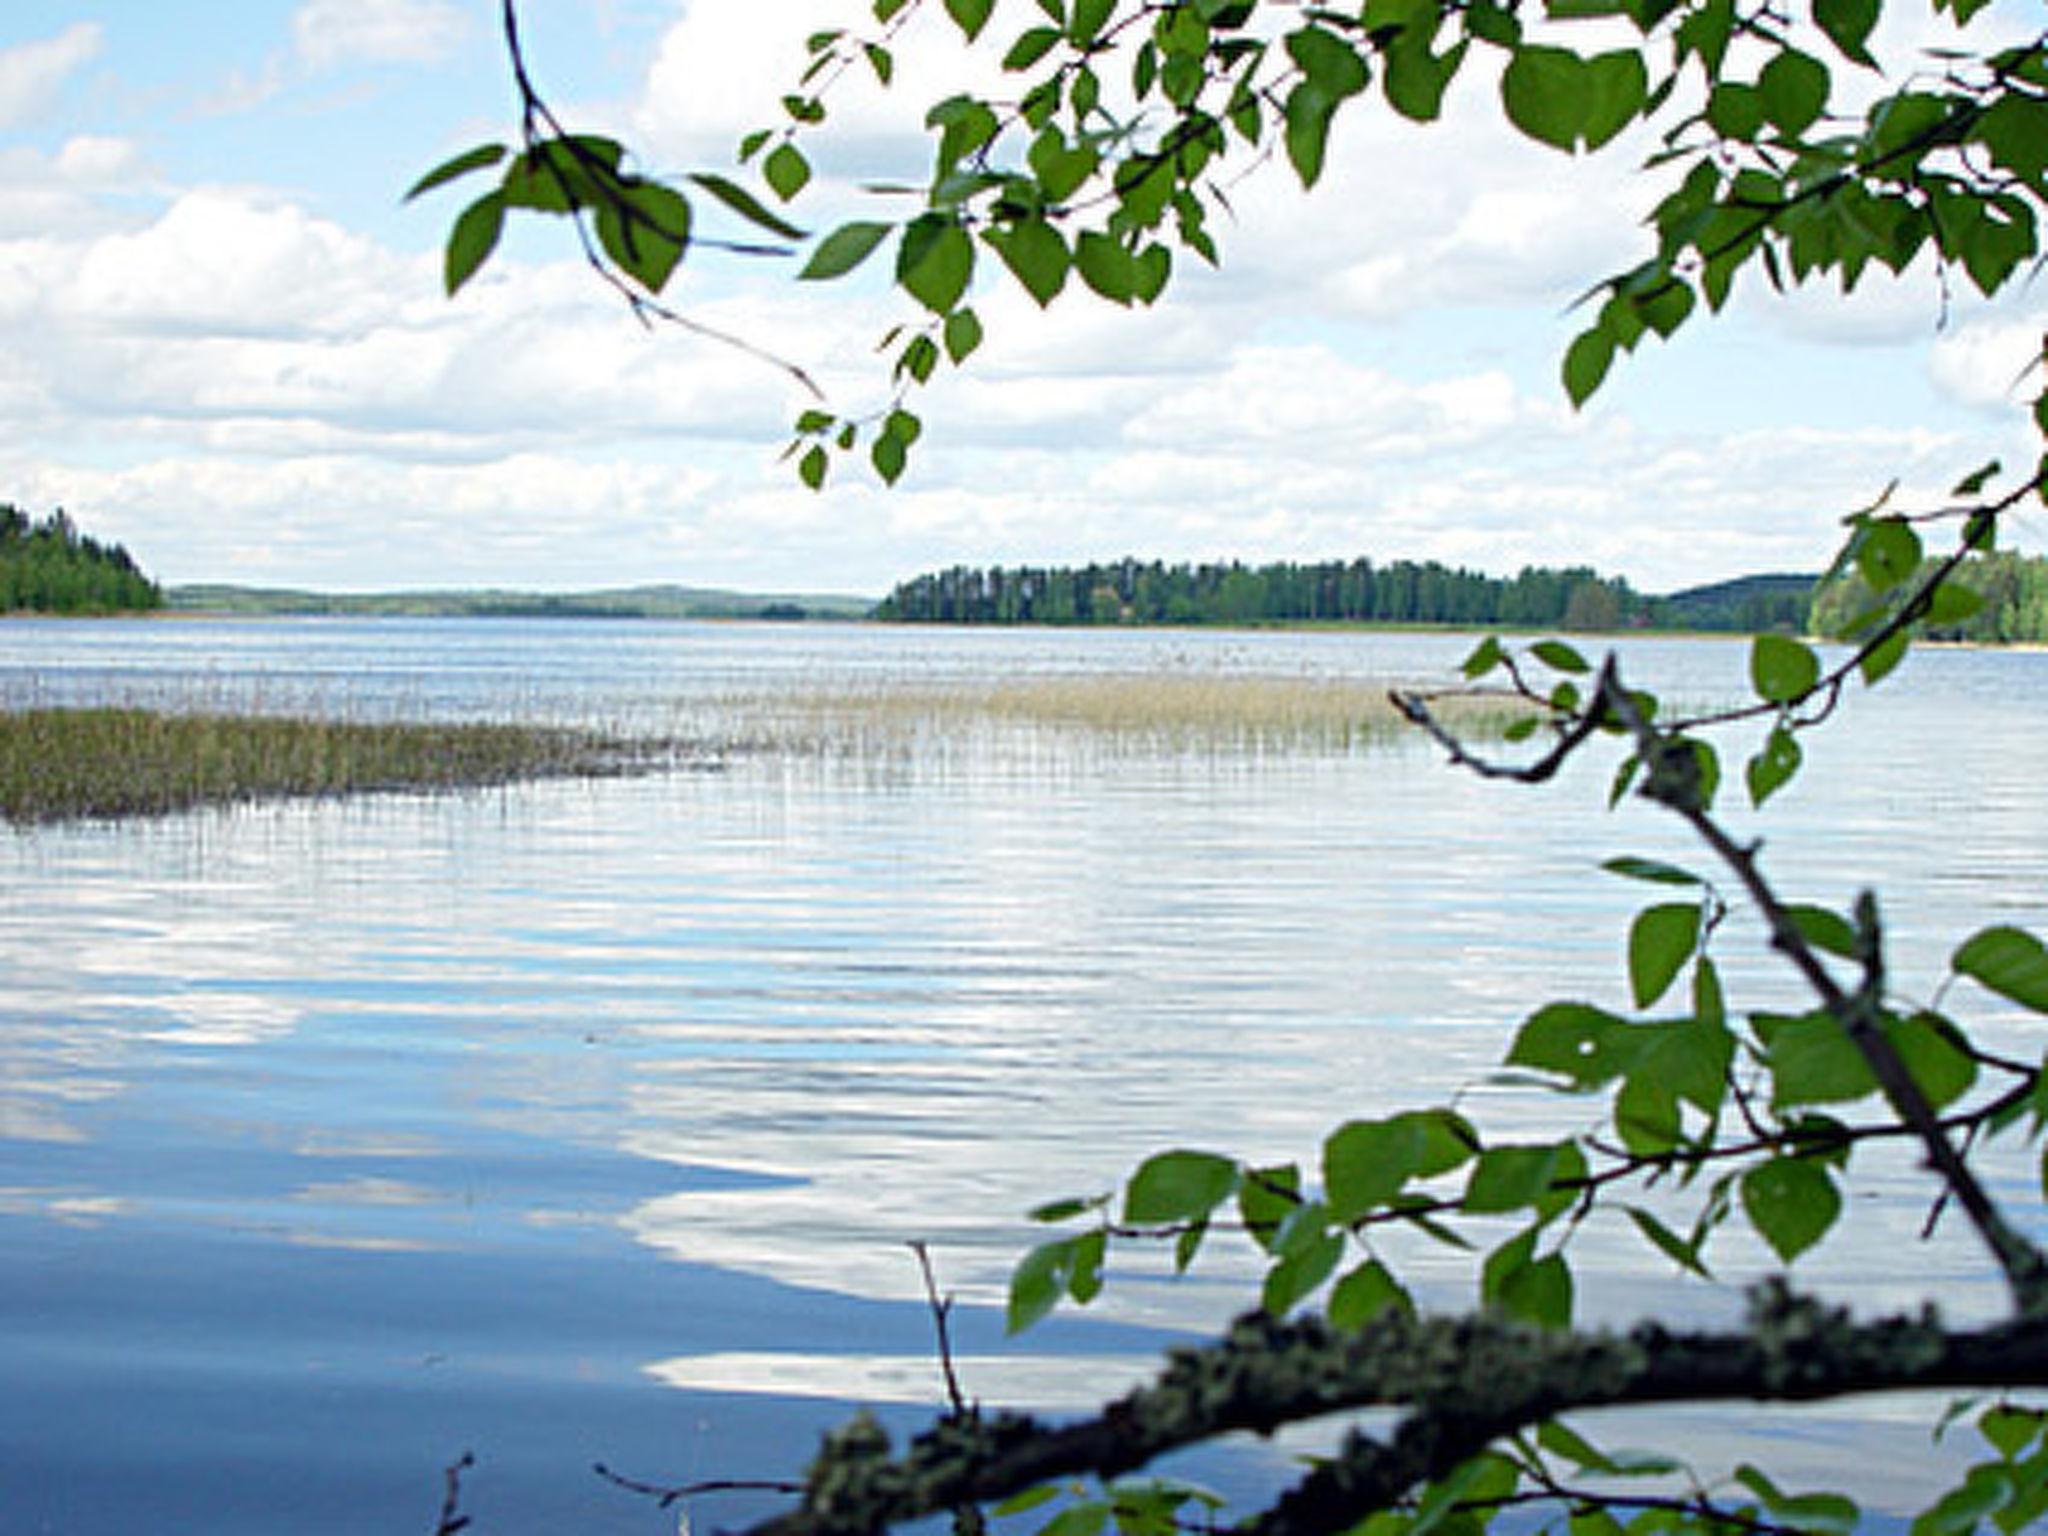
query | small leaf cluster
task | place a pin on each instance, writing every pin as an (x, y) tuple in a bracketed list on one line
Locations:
[(642, 226)]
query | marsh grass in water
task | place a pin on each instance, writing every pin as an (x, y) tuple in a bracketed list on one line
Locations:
[(61, 764), (1209, 711), (106, 762)]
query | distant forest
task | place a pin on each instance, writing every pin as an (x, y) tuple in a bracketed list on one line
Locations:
[(2012, 593), (1356, 591), (48, 566)]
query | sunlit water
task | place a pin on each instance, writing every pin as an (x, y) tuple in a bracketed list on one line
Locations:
[(592, 1121)]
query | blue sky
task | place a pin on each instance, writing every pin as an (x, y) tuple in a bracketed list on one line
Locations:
[(223, 342)]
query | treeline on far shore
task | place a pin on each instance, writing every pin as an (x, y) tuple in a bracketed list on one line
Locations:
[(1335, 591), (47, 565)]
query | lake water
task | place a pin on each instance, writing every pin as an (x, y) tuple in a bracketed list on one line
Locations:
[(591, 1121)]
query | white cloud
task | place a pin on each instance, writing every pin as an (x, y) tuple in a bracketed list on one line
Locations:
[(331, 33), (224, 262), (31, 74), (1995, 363)]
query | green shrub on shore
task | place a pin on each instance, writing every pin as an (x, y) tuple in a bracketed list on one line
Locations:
[(64, 764)]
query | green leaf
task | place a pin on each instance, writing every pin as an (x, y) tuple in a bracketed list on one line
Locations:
[(1485, 656), (812, 466), (1062, 1210), (1882, 659), (935, 262), (1087, 1519), (1687, 1057), (1794, 89), (1682, 1253), (1887, 552), (1087, 18), (970, 15), (1816, 1512), (1952, 603), (1030, 1499), (1416, 77), (1036, 256), (1812, 1060), (1985, 1489), (1365, 1293), (1826, 930), (962, 334), (1560, 657), (1031, 46), (745, 204), (889, 455), (1791, 1202), (1646, 1115), (1539, 1292), (1084, 1270), (1773, 766), (1617, 84), (461, 165), (1179, 1186), (1330, 64), (1660, 940), (1308, 113), (1559, 1439), (844, 249), (473, 238), (1266, 1197), (1299, 1274), (2009, 961), (1736, 111), (1577, 1042), (1366, 1163), (1038, 1282), (786, 170), (645, 230), (2009, 1429), (1061, 168), (1547, 94), (1107, 266), (1930, 1047), (1586, 362), (563, 174), (1509, 1178), (1848, 24), (1781, 669), (1651, 870)]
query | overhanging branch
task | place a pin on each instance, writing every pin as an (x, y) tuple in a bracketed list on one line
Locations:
[(1460, 1383)]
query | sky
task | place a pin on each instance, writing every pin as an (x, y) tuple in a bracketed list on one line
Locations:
[(225, 344)]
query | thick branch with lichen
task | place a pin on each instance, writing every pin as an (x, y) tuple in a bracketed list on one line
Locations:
[(1460, 1383)]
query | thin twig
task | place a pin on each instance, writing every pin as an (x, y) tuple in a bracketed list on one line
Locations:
[(667, 1496), (452, 1519), (942, 1308)]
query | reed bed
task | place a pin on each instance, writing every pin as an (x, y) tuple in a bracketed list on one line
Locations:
[(62, 763), (105, 762), (1182, 710)]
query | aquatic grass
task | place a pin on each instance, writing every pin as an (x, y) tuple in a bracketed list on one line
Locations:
[(1220, 710), (106, 762), (103, 762)]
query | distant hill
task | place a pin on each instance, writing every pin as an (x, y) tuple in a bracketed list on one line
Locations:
[(1748, 604), (650, 602)]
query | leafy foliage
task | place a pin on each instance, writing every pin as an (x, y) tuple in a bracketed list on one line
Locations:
[(1706, 1119)]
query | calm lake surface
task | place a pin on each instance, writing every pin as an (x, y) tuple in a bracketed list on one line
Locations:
[(591, 1121)]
